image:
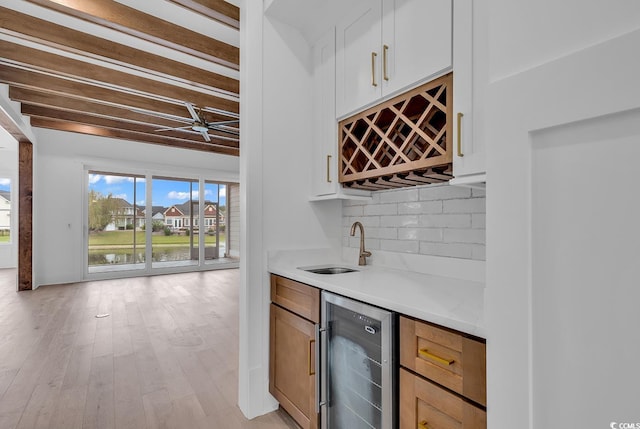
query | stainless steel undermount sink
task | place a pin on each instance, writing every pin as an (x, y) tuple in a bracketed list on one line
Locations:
[(328, 270)]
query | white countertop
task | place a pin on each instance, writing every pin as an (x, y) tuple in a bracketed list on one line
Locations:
[(447, 301)]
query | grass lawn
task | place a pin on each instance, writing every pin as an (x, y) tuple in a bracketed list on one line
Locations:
[(5, 238), (123, 238)]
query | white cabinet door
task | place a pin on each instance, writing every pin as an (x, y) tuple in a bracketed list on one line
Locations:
[(325, 162), (468, 42), (324, 175), (358, 59), (416, 42)]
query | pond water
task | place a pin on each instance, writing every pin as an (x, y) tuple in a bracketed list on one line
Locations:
[(128, 256)]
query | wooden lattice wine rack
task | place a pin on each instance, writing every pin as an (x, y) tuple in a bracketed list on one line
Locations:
[(405, 141)]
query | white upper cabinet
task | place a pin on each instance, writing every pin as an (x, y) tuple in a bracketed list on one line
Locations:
[(324, 175), (469, 81), (389, 46), (325, 160)]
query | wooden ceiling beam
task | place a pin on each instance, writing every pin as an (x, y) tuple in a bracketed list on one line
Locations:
[(97, 75), (111, 14), (67, 39), (130, 135), (83, 118), (38, 81), (57, 101), (220, 10)]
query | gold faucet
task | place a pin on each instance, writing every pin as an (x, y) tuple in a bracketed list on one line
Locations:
[(363, 253)]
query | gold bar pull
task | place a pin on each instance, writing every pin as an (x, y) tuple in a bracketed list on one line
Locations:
[(328, 169), (460, 115), (311, 368), (423, 425), (385, 50), (425, 354), (373, 69)]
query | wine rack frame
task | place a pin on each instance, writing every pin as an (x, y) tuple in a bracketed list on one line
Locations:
[(405, 141)]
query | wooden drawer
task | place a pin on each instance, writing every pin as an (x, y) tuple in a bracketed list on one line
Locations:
[(299, 298), (446, 357), (425, 405)]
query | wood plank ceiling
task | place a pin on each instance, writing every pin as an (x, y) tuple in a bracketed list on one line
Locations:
[(128, 69)]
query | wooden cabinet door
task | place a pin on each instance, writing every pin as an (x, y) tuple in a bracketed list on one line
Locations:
[(417, 36), (292, 363), (425, 405), (358, 59)]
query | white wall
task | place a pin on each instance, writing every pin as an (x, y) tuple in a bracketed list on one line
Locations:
[(233, 208), (9, 169), (274, 173), (559, 221), (59, 189)]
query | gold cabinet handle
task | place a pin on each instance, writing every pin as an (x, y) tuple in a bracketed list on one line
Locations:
[(328, 168), (373, 69), (423, 425), (427, 355), (312, 369), (385, 50), (460, 115)]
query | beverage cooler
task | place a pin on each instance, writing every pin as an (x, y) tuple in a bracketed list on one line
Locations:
[(357, 366)]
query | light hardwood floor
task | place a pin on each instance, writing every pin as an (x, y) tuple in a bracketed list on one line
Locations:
[(165, 357)]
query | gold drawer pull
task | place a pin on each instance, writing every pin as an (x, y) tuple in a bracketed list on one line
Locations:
[(328, 169), (425, 354), (423, 425), (459, 117), (373, 69), (385, 50)]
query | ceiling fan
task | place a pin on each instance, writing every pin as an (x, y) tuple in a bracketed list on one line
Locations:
[(201, 125)]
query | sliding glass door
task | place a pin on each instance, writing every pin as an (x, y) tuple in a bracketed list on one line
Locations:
[(115, 222), (176, 242), (177, 226)]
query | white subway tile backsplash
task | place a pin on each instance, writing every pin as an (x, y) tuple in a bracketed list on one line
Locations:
[(443, 192), (479, 220), (400, 221), (420, 207), (456, 235), (398, 196), (402, 246), (478, 252), (446, 221), (439, 220), (420, 234), (469, 205), (380, 209)]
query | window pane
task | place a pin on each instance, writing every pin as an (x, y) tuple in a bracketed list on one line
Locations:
[(175, 226), (5, 210), (214, 215), (115, 222)]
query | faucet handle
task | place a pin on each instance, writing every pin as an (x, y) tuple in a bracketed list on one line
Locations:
[(366, 253)]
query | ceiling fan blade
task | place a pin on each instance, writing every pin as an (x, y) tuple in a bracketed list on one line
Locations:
[(206, 136), (224, 129), (174, 128), (193, 112), (235, 121)]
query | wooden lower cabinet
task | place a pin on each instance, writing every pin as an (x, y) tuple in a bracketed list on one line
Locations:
[(291, 371), (425, 405)]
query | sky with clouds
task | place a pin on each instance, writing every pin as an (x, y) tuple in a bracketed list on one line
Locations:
[(165, 192), (4, 184)]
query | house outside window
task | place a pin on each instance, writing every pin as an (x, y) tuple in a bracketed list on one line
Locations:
[(5, 210)]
